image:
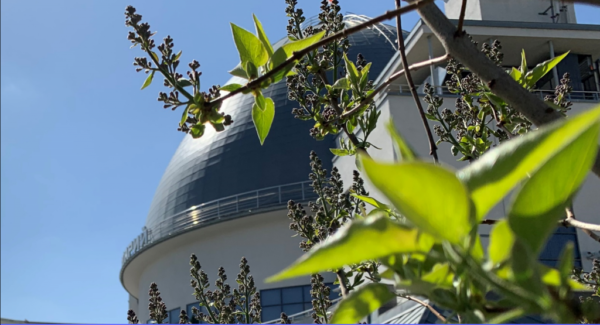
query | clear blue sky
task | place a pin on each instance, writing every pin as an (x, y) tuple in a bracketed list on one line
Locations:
[(83, 149)]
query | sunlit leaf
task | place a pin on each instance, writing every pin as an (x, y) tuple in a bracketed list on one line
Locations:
[(197, 130), (263, 113), (341, 83), (238, 71), (148, 80), (262, 36), (249, 47), (542, 69), (367, 239), (361, 303), (231, 87), (497, 172), (541, 202), (501, 242), (340, 152), (429, 195), (372, 202)]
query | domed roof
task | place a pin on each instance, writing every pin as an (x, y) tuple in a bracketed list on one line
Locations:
[(222, 164)]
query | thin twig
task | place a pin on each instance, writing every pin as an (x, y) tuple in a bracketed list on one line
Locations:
[(299, 54), (499, 82), (587, 228), (413, 89), (461, 19), (424, 304), (342, 279), (391, 79)]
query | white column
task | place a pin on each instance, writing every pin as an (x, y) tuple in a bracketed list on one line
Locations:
[(554, 71)]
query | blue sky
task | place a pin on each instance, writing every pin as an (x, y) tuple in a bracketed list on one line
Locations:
[(83, 149)]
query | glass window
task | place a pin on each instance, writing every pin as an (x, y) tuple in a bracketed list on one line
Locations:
[(173, 316), (292, 295), (270, 297), (290, 300)]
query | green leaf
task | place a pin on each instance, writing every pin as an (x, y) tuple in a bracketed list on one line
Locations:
[(441, 275), (497, 172), (197, 130), (430, 196), (177, 56), (361, 303), (523, 68), (262, 36), (364, 76), (148, 80), (251, 70), (541, 201), (372, 202), (525, 271), (542, 69), (501, 242), (516, 75), (183, 82), (341, 83), (353, 73), (249, 47), (402, 149), (238, 71), (340, 152), (367, 239), (184, 116), (286, 51), (231, 87), (552, 277), (263, 113)]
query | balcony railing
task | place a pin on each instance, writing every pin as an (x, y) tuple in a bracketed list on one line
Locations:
[(226, 208), (576, 96)]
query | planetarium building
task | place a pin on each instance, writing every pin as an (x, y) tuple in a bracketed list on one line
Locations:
[(224, 196)]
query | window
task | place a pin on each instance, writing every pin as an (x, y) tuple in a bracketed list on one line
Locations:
[(290, 300), (173, 316)]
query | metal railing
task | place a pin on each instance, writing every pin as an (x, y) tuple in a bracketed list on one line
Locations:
[(226, 208), (576, 96), (303, 317)]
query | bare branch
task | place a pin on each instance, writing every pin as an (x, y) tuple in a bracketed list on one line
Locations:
[(461, 19), (413, 89), (424, 304), (587, 228), (499, 82), (342, 280), (341, 34)]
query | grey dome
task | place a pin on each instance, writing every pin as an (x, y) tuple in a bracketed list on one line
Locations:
[(233, 161)]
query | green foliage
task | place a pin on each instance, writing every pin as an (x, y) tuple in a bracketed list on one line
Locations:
[(148, 80), (401, 147), (361, 303), (250, 47), (263, 113)]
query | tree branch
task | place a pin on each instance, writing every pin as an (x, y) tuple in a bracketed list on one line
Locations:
[(413, 90), (299, 54), (424, 304), (587, 228), (461, 19), (499, 82), (342, 279), (391, 79)]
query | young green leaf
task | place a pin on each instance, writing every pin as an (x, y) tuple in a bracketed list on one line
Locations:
[(184, 116), (249, 47), (148, 80), (231, 87), (238, 71), (497, 172), (367, 239), (341, 83), (286, 51), (353, 73), (501, 242), (197, 130), (262, 36), (183, 82), (430, 196), (361, 303), (516, 75), (372, 202), (340, 152), (542, 69), (364, 76), (263, 113), (541, 202), (251, 70), (402, 149), (523, 68)]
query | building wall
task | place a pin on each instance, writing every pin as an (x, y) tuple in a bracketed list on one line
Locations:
[(504, 10), (264, 239), (408, 123)]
